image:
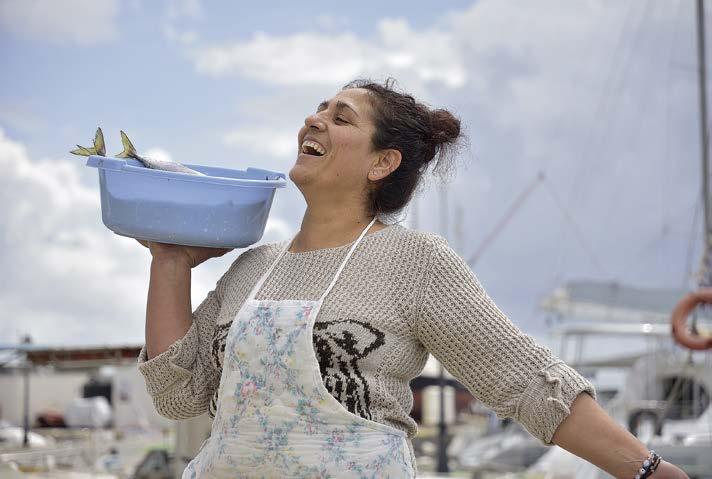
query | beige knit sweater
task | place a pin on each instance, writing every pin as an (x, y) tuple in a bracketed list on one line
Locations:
[(403, 294)]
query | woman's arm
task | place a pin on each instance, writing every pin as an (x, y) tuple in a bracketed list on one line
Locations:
[(168, 309), (176, 360), (510, 373), (593, 435)]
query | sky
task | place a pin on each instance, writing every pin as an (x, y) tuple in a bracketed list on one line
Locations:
[(599, 96)]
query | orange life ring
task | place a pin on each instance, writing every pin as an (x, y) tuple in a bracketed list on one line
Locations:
[(679, 319)]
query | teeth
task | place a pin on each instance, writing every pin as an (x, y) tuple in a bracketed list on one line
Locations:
[(316, 146)]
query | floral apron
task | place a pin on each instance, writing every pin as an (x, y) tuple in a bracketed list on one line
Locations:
[(275, 417)]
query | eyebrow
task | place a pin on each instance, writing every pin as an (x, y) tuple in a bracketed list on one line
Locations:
[(339, 105)]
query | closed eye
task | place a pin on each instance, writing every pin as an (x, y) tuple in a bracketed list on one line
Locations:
[(341, 119)]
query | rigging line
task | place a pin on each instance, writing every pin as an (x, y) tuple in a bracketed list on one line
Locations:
[(673, 43), (505, 219), (644, 105), (611, 82), (641, 108), (659, 238), (579, 235), (607, 102), (666, 142), (582, 166)]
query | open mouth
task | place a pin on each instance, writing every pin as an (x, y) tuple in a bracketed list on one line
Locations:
[(312, 148)]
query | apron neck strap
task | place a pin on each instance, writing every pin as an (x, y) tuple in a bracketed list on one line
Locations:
[(264, 277), (346, 260)]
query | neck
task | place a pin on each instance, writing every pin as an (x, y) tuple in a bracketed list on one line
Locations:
[(331, 227)]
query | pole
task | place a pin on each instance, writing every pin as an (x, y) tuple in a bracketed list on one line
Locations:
[(26, 421), (26, 384), (702, 82), (518, 202), (442, 436)]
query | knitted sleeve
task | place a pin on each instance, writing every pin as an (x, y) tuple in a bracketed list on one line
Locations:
[(182, 379), (500, 365)]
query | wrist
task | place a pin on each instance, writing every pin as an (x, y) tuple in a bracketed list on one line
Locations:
[(648, 466), (171, 263)]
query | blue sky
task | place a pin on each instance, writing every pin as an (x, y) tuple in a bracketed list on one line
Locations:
[(600, 95)]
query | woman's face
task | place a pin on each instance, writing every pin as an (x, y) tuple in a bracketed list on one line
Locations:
[(337, 166)]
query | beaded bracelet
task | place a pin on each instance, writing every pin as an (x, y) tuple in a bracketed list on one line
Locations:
[(649, 466)]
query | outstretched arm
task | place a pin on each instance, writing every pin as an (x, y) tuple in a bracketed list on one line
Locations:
[(516, 377), (592, 434)]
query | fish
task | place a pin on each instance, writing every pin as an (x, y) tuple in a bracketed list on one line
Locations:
[(99, 147), (130, 152)]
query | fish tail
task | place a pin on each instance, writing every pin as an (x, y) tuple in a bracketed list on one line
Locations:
[(99, 145), (83, 151), (129, 150)]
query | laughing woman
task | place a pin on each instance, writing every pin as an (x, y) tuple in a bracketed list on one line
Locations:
[(303, 352)]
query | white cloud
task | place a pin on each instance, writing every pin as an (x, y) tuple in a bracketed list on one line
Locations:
[(309, 58), (84, 22)]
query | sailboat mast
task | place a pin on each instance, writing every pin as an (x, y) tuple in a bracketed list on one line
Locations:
[(702, 81)]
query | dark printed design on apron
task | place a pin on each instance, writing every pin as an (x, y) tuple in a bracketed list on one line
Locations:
[(339, 346)]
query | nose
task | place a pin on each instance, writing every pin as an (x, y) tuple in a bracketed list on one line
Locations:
[(313, 121)]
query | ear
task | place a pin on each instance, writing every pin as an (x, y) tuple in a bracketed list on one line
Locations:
[(386, 163)]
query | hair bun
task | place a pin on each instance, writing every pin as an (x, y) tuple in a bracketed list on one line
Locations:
[(443, 141), (445, 127)]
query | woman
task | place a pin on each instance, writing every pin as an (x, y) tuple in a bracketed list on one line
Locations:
[(296, 396)]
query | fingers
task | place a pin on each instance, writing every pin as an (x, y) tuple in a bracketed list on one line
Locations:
[(221, 251), (218, 251)]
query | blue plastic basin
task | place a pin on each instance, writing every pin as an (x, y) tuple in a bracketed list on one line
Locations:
[(226, 209)]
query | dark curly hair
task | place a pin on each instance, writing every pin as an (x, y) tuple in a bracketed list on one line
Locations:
[(419, 133)]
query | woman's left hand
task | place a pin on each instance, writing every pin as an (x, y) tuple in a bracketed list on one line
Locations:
[(668, 471)]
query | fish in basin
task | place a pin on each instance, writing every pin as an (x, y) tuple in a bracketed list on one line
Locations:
[(129, 151), (167, 165)]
